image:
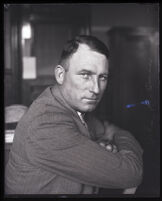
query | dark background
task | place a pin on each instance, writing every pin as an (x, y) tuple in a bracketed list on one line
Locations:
[(131, 31)]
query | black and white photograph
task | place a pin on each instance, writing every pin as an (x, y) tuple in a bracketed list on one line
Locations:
[(81, 100)]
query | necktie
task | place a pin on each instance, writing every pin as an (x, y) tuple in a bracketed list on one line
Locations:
[(81, 115), (82, 119)]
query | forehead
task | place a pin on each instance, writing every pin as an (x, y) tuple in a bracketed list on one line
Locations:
[(84, 56), (84, 49)]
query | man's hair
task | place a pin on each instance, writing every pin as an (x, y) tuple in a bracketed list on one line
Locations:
[(72, 45)]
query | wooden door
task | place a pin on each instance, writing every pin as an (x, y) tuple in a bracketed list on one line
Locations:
[(132, 100), (12, 55)]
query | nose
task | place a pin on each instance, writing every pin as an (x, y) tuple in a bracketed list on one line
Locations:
[(95, 86)]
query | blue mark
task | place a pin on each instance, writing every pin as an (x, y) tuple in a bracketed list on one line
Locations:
[(145, 102), (130, 105)]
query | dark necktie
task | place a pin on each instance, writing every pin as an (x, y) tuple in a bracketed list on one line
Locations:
[(82, 117), (83, 120)]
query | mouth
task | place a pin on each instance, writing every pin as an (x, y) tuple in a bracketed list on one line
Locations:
[(93, 100)]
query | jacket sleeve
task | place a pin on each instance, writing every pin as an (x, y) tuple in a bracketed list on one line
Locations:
[(100, 133), (56, 144)]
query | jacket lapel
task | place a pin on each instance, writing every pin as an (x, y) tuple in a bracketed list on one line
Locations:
[(59, 97)]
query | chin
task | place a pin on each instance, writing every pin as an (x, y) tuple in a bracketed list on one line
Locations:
[(88, 109)]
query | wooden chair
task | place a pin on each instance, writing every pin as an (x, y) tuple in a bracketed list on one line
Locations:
[(13, 114)]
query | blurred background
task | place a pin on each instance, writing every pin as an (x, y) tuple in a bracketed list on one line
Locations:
[(34, 35)]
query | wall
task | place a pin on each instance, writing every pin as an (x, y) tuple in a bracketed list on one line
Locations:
[(134, 62), (106, 15)]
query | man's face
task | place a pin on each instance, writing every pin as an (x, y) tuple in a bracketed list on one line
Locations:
[(86, 79)]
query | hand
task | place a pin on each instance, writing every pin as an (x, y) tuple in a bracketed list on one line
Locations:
[(109, 147), (110, 130)]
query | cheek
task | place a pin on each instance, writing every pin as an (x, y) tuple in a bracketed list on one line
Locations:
[(103, 87), (79, 84), (76, 87), (103, 84)]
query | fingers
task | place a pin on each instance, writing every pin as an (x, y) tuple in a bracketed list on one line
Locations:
[(109, 147), (114, 149), (102, 144)]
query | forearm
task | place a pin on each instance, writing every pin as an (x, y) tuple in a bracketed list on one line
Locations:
[(89, 163), (68, 153), (122, 169), (123, 139), (120, 140)]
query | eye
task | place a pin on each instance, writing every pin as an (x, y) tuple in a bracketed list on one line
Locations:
[(103, 77), (85, 75)]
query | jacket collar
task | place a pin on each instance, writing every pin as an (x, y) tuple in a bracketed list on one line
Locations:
[(56, 92)]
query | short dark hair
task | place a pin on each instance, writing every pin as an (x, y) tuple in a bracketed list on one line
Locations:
[(72, 45)]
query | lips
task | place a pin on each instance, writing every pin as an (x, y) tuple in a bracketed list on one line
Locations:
[(92, 99)]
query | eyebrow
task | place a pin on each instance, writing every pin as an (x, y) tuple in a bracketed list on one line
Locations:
[(91, 72), (87, 71)]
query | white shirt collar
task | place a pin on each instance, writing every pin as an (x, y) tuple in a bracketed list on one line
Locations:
[(81, 115)]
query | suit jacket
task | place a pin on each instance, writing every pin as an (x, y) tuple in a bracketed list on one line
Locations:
[(54, 153)]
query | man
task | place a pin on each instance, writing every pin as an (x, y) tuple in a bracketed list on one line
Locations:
[(59, 146)]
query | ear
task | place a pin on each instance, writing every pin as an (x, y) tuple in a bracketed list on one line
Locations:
[(59, 74)]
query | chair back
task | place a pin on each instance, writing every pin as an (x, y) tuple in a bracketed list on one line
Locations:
[(13, 113)]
